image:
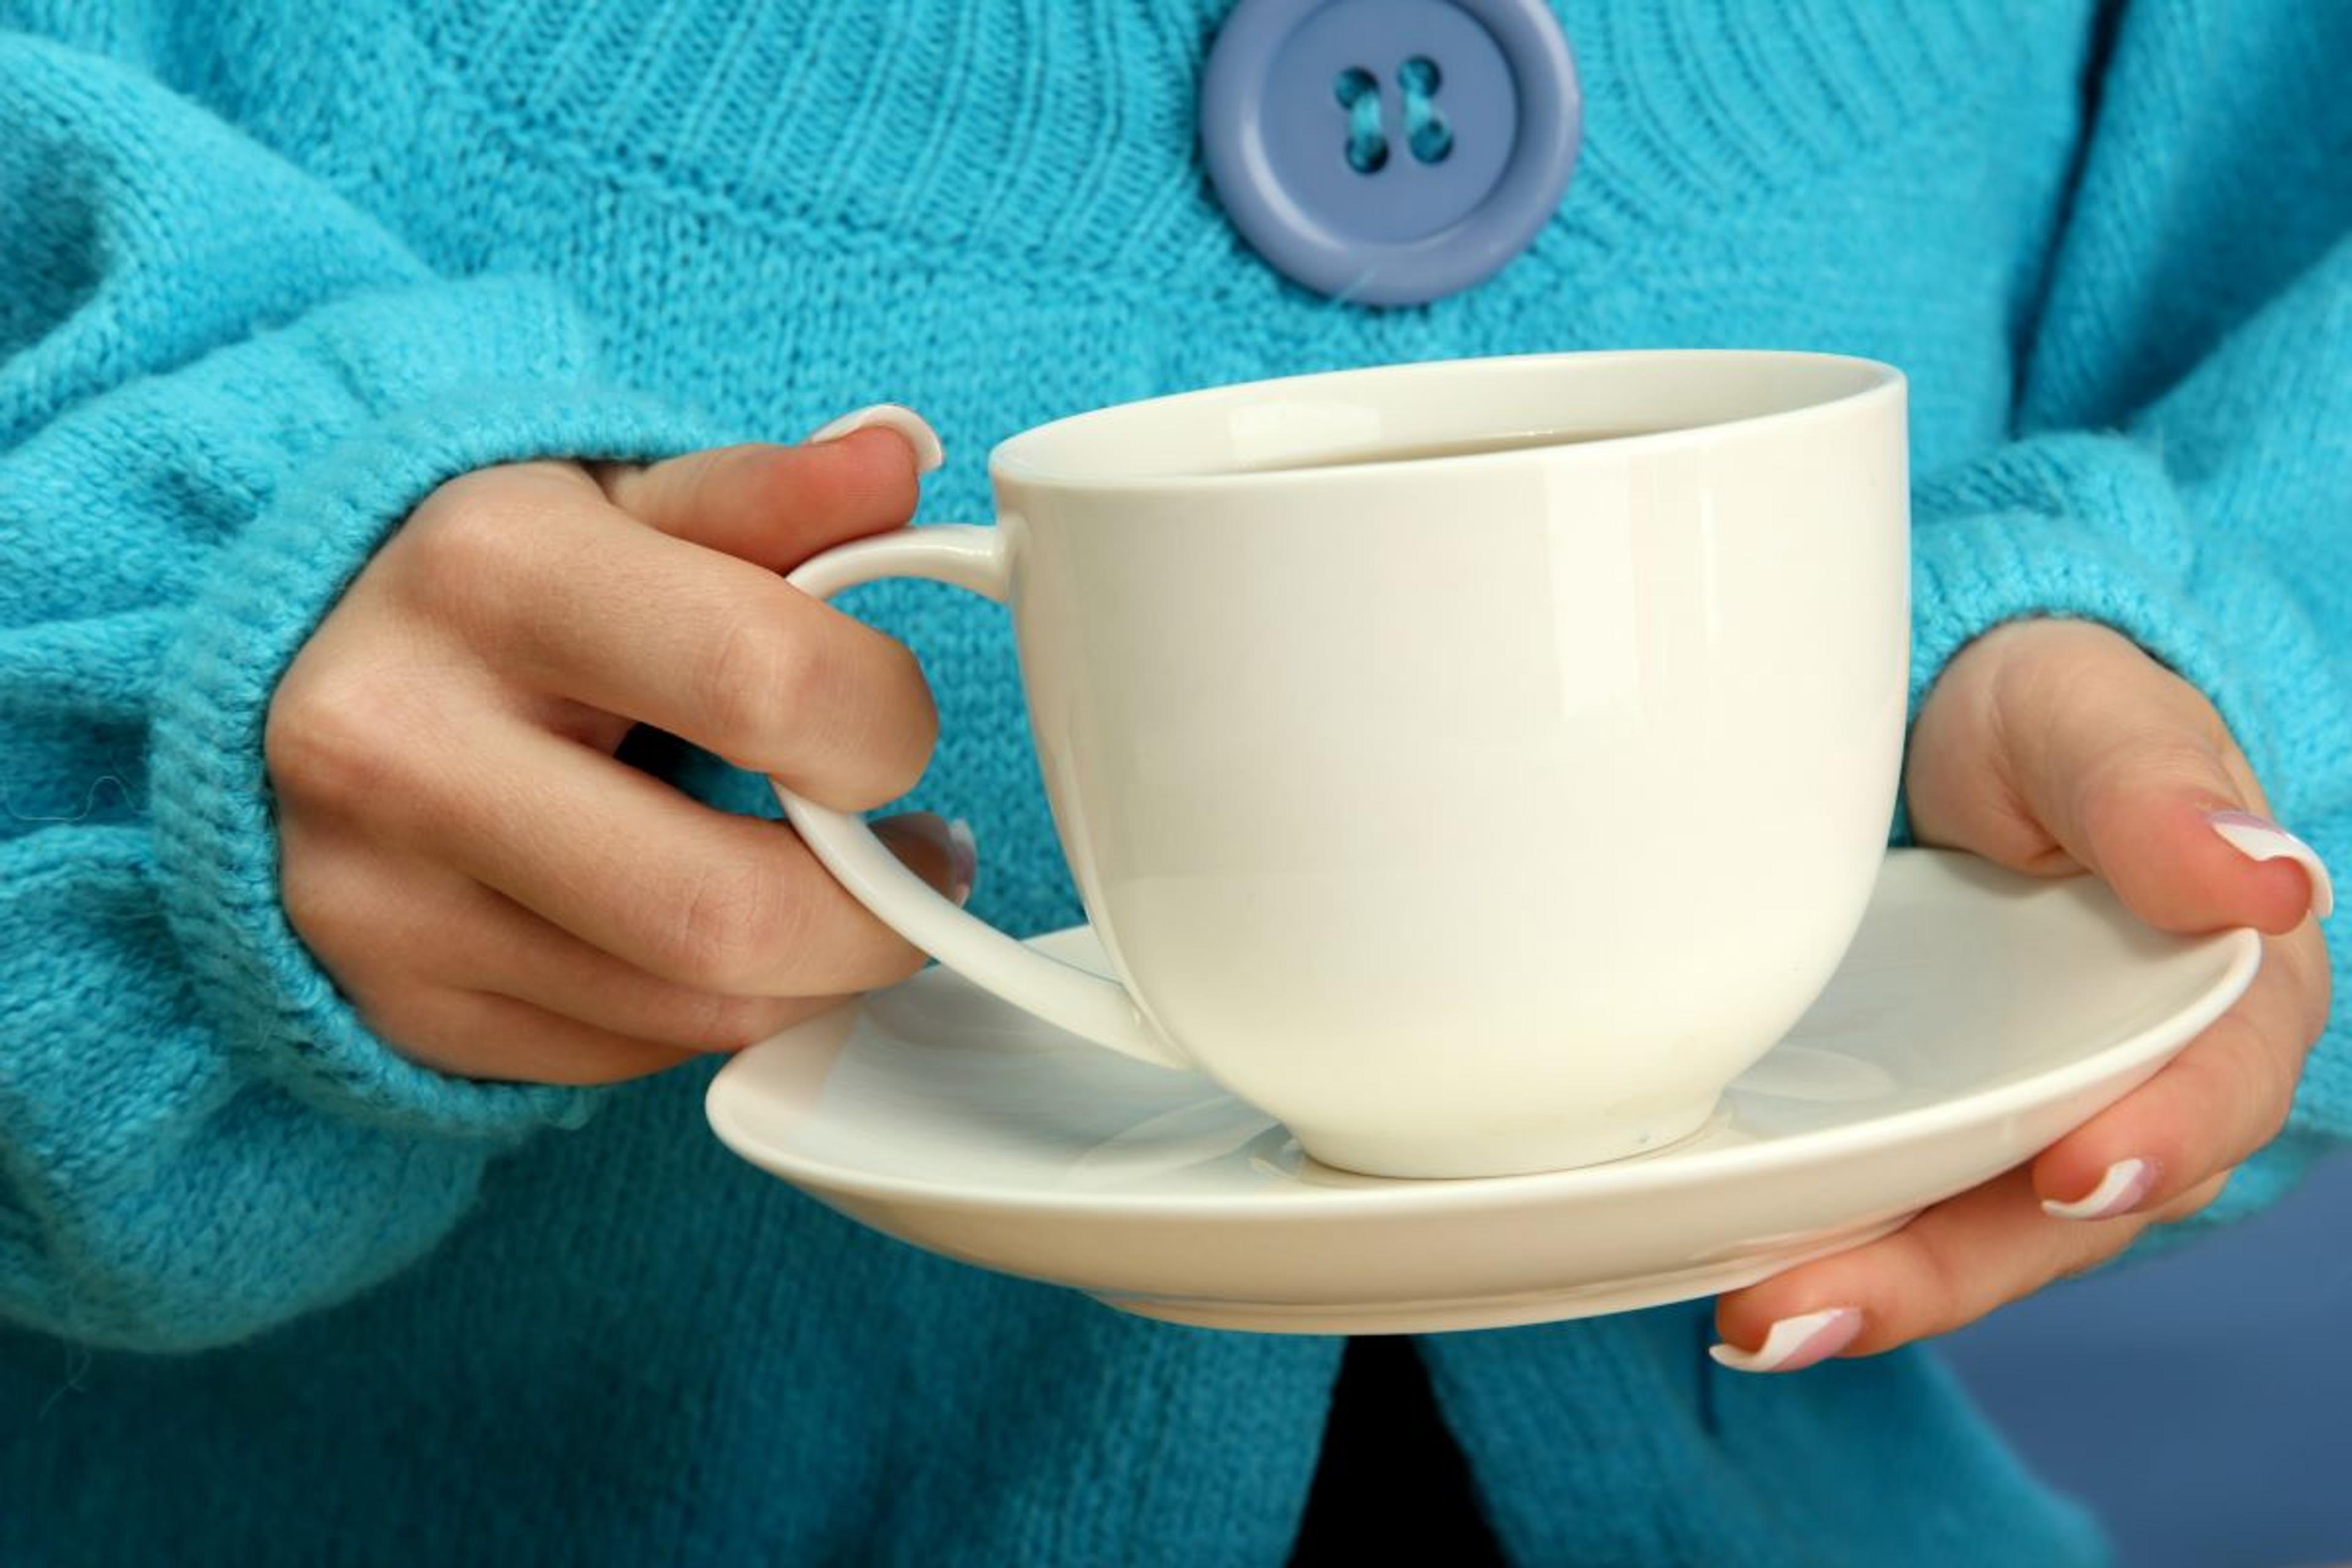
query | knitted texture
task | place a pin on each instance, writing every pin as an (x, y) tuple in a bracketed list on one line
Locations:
[(268, 272)]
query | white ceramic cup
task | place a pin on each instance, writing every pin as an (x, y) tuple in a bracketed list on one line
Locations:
[(1476, 764)]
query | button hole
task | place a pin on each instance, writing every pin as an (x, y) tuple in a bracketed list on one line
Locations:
[(1425, 128), (1358, 92)]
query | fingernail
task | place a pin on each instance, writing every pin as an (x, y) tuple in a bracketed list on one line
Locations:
[(1796, 1343), (917, 430), (963, 853), (951, 839), (2260, 838), (2119, 1193)]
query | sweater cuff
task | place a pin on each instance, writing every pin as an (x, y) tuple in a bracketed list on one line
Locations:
[(216, 841), (2082, 527)]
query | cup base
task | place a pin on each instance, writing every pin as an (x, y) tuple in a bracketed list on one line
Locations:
[(1416, 1157)]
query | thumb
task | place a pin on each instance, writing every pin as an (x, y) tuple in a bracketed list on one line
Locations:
[(2057, 746)]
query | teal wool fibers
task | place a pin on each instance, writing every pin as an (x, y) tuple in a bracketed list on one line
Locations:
[(270, 271)]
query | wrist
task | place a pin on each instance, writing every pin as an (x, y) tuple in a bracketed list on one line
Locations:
[(216, 844)]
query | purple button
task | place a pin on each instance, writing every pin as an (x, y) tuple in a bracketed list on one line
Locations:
[(1389, 151)]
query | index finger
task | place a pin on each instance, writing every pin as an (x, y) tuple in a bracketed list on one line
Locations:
[(608, 613), (776, 506)]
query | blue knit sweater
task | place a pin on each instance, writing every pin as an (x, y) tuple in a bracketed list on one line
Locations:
[(269, 271)]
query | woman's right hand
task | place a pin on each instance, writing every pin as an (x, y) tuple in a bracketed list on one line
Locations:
[(497, 894)]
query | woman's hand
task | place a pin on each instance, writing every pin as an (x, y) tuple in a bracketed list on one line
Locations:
[(498, 895), (2058, 748)]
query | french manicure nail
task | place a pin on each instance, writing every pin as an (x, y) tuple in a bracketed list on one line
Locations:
[(2120, 1191), (963, 853), (1796, 1343), (2260, 838), (917, 430)]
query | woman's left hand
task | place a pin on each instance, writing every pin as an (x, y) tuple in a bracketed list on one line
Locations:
[(2059, 748)]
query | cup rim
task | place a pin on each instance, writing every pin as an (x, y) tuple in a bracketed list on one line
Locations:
[(1009, 460)]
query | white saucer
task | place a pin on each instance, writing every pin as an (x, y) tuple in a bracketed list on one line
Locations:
[(1978, 1016)]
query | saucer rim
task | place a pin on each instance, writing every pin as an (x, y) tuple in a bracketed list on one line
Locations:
[(2149, 1047)]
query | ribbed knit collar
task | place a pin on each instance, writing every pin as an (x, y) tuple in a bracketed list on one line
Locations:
[(1065, 131)]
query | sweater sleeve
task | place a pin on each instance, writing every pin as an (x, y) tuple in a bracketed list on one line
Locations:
[(2183, 471), (220, 387)]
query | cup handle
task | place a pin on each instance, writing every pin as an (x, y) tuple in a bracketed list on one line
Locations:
[(1085, 1005)]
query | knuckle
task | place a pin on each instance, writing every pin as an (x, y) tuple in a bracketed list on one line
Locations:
[(466, 531), (1943, 1290), (2303, 960), (755, 673), (480, 539), (2271, 1116), (685, 488), (2240, 1093), (730, 928), (902, 754), (907, 671), (2265, 1083), (713, 1020), (327, 740)]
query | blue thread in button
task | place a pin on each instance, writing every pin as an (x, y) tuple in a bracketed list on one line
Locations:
[(1389, 151)]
